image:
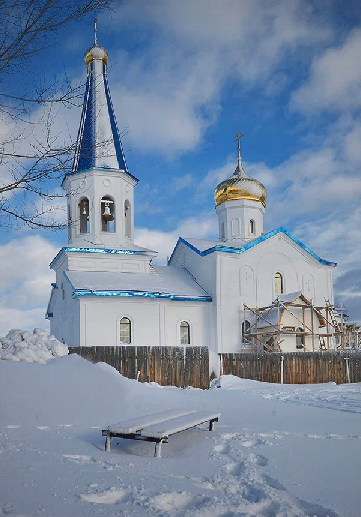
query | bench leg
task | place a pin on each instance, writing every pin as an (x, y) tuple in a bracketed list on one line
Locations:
[(158, 449), (211, 425), (107, 442)]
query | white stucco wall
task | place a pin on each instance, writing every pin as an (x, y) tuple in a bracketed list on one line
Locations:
[(235, 216), (248, 278), (154, 322), (65, 322)]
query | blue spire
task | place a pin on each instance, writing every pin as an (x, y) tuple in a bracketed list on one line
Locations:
[(98, 142)]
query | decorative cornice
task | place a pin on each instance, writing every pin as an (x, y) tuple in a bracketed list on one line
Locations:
[(251, 245), (97, 250)]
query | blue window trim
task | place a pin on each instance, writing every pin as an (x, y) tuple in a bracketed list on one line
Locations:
[(250, 245), (96, 250)]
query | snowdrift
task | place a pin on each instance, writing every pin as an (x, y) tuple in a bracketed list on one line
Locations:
[(38, 347)]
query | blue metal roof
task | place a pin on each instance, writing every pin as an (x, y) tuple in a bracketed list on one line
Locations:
[(98, 109), (251, 244), (172, 283)]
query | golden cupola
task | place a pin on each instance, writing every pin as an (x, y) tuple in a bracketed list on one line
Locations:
[(240, 185)]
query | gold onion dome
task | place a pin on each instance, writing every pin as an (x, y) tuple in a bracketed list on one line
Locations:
[(240, 186), (96, 52)]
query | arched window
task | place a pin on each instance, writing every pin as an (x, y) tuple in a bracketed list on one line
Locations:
[(246, 327), (185, 333), (127, 219), (252, 227), (125, 330), (83, 209), (279, 284), (107, 211), (300, 338), (235, 227)]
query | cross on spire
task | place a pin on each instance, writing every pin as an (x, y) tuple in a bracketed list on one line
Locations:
[(95, 32), (239, 149)]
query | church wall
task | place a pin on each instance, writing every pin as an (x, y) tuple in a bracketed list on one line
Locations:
[(64, 324), (204, 270), (248, 278), (154, 322)]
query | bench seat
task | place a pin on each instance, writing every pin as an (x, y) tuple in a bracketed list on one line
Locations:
[(136, 424), (165, 429), (158, 427)]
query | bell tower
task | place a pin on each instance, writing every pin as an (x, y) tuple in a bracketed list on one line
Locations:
[(100, 188), (240, 204)]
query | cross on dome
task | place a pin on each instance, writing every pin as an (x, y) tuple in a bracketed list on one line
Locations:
[(240, 185), (95, 32)]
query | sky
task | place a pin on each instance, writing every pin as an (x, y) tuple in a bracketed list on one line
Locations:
[(184, 78)]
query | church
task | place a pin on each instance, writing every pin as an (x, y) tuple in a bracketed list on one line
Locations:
[(211, 293)]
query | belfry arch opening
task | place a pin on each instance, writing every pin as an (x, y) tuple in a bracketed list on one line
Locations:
[(107, 211), (127, 219), (83, 215)]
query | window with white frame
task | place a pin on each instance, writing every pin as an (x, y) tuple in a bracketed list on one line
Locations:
[(185, 333), (125, 330)]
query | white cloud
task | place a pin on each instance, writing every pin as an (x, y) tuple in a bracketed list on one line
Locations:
[(25, 282), (335, 79), (172, 94), (202, 227)]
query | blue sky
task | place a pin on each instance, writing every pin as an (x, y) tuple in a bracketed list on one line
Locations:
[(184, 78)]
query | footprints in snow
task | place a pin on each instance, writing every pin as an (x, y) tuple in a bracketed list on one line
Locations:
[(250, 491)]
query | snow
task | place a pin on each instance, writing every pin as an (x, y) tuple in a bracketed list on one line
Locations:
[(38, 347), (277, 451), (135, 424)]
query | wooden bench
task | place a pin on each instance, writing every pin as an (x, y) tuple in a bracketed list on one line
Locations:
[(158, 427)]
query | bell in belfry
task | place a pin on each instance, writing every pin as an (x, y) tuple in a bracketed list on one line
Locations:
[(107, 215)]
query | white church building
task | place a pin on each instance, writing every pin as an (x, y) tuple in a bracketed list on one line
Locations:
[(108, 292)]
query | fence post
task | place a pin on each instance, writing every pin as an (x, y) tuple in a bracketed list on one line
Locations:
[(282, 369), (348, 369)]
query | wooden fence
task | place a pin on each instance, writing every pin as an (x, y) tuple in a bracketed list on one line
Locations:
[(298, 367), (168, 366)]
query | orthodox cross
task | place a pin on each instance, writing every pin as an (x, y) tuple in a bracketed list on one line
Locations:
[(308, 284), (238, 139), (95, 32), (247, 276)]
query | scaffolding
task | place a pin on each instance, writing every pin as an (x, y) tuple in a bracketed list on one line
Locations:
[(267, 335)]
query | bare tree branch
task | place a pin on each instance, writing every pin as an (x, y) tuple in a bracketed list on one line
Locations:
[(32, 153)]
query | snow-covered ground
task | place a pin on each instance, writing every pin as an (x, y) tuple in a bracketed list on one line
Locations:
[(277, 451)]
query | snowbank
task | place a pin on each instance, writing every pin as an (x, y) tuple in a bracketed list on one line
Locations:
[(270, 455), (38, 347)]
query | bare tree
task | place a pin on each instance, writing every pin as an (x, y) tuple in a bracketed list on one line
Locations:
[(32, 153)]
